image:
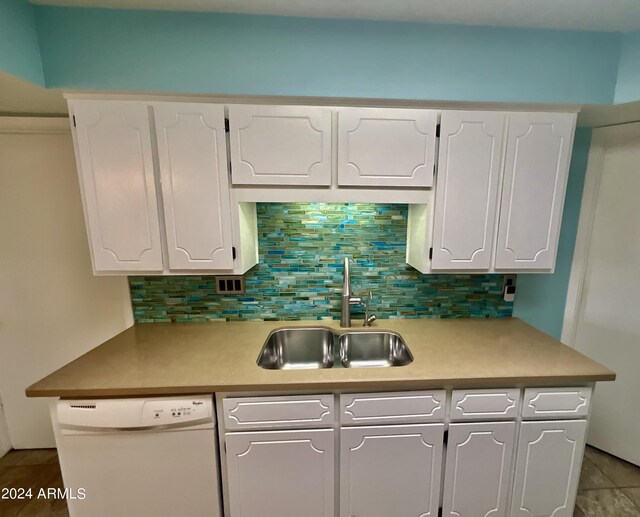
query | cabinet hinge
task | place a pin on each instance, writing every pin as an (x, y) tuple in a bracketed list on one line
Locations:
[(430, 253), (226, 125), (437, 130), (74, 121), (233, 252)]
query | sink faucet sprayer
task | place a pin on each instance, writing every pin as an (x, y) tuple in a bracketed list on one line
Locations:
[(348, 300)]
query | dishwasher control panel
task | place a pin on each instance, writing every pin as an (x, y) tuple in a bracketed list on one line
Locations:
[(135, 412), (165, 412)]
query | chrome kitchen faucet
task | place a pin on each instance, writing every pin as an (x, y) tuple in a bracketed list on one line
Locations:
[(348, 300)]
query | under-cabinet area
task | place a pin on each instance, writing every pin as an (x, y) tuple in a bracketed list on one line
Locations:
[(171, 187), (457, 453)]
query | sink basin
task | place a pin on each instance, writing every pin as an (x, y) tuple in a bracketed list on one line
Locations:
[(298, 348), (373, 349)]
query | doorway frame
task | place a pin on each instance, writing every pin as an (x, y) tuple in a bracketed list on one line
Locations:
[(600, 141)]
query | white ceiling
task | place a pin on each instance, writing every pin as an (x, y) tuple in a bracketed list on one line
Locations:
[(598, 15)]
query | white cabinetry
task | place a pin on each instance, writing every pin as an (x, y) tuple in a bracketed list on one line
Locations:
[(280, 145), (391, 470), (115, 149), (478, 468), (113, 152), (281, 459), (285, 471), (195, 185), (386, 147), (499, 193), (281, 473), (548, 468), (467, 189), (536, 169)]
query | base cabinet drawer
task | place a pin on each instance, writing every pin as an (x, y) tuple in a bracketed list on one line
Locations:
[(392, 408), (548, 468), (478, 468), (282, 412), (281, 473), (391, 470), (493, 404), (550, 403)]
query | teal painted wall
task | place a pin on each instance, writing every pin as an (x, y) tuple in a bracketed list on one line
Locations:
[(262, 55), (540, 299), (628, 83), (19, 50)]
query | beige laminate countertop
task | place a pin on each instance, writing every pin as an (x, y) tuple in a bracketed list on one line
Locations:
[(171, 359)]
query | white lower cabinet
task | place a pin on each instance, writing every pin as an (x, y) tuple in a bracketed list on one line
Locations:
[(478, 468), (503, 464), (281, 473), (391, 470), (548, 468)]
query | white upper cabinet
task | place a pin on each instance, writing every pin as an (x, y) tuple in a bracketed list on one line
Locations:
[(386, 147), (467, 189), (115, 165), (280, 145), (192, 154), (538, 150)]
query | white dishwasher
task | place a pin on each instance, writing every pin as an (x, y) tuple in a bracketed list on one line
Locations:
[(151, 457)]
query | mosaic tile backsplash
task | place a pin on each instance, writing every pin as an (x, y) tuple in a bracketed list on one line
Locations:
[(302, 246)]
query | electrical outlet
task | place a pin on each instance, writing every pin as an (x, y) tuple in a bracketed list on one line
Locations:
[(509, 288), (232, 284)]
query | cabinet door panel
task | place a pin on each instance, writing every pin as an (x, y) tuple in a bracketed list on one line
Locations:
[(113, 144), (535, 180), (548, 468), (386, 147), (195, 185), (281, 473), (391, 470), (280, 145), (478, 467), (467, 187)]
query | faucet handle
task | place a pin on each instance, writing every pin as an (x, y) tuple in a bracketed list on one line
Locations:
[(368, 319)]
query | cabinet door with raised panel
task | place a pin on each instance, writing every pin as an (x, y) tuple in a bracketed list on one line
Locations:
[(115, 166), (478, 468), (548, 468), (281, 473), (538, 149), (192, 153), (386, 147), (280, 145), (467, 189), (391, 470)]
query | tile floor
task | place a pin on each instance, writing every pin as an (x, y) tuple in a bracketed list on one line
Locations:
[(609, 487)]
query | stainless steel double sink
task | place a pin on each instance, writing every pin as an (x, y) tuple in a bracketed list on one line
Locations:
[(318, 347)]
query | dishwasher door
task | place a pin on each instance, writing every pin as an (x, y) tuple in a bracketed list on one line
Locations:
[(139, 457)]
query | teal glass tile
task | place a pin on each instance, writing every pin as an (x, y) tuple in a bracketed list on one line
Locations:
[(302, 247)]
